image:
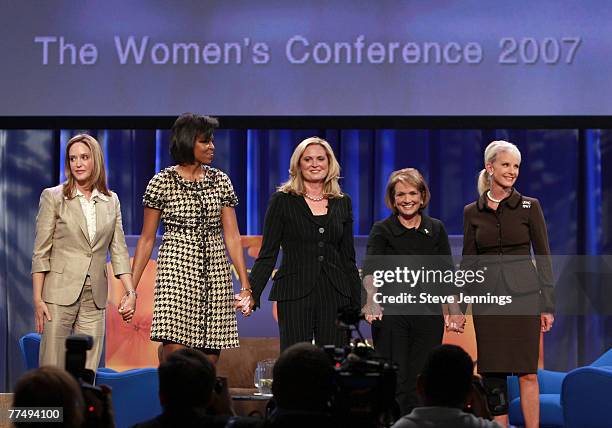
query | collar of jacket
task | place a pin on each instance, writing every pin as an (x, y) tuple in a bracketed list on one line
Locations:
[(94, 194), (512, 201), (397, 228)]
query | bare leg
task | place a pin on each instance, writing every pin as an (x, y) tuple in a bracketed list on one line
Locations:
[(212, 355), (530, 399), (213, 358), (169, 348), (160, 353)]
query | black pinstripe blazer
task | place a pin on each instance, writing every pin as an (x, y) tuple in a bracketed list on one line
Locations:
[(310, 247)]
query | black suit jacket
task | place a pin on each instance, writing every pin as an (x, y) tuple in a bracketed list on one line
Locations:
[(311, 247), (426, 246), (390, 237)]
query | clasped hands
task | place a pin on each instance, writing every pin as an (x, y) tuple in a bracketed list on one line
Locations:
[(372, 311), (455, 322), (127, 307), (244, 302)]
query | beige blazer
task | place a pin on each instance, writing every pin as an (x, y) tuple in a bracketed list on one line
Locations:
[(62, 249)]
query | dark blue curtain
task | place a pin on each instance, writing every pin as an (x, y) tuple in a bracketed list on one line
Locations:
[(569, 170), (28, 163)]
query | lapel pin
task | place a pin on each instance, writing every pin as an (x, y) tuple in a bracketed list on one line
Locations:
[(426, 231)]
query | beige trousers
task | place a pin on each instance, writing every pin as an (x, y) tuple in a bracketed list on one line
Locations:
[(82, 317)]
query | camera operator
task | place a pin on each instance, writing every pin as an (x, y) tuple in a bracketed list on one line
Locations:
[(98, 404), (302, 388), (445, 386), (50, 386), (192, 396)]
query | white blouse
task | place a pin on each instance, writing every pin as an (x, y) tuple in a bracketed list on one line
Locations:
[(89, 210)]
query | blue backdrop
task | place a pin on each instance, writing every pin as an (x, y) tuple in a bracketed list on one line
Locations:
[(569, 170)]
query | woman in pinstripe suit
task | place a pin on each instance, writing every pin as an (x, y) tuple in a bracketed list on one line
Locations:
[(312, 220)]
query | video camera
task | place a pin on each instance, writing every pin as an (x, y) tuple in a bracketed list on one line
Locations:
[(365, 382), (96, 401)]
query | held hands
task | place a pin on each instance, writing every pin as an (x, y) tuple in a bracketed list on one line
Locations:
[(244, 302), (546, 321), (455, 322), (372, 311), (127, 307), (40, 313)]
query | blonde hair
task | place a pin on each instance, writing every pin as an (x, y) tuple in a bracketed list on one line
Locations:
[(295, 183), (493, 149), (98, 174), (409, 176)]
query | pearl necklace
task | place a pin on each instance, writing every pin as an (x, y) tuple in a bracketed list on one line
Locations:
[(492, 199), (314, 198)]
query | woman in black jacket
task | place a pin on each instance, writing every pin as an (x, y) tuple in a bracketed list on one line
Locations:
[(312, 220), (407, 332)]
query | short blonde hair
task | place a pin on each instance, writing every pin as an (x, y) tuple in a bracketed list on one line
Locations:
[(493, 149), (98, 175), (295, 183), (409, 176)]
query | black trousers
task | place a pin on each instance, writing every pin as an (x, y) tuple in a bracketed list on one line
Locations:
[(312, 316), (406, 340)]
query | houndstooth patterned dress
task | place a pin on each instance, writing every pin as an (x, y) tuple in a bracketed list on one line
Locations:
[(193, 302)]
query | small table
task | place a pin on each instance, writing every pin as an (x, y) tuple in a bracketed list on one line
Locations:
[(250, 404)]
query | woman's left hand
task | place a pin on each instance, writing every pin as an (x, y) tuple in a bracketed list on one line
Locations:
[(127, 307), (546, 321)]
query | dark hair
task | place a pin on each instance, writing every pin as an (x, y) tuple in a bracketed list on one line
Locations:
[(50, 386), (185, 130), (186, 380), (303, 378), (447, 376)]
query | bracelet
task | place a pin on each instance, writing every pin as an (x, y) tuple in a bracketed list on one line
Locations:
[(247, 289), (131, 292)]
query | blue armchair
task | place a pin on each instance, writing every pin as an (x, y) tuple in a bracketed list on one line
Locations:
[(30, 346), (550, 382), (551, 413), (135, 392), (585, 397)]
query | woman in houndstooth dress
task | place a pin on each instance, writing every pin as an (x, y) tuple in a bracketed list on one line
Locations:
[(194, 301)]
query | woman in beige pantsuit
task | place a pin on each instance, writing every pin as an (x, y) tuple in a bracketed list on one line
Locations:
[(78, 223)]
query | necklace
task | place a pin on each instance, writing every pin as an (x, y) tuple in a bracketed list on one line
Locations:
[(314, 198), (492, 199)]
